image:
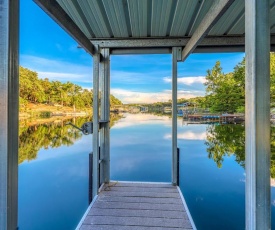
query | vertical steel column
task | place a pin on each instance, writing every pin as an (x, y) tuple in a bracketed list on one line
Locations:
[(96, 59), (257, 115), (174, 113), (105, 115), (9, 82)]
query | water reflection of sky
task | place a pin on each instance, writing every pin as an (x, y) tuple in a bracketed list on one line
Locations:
[(142, 119), (56, 182), (138, 150), (53, 188)]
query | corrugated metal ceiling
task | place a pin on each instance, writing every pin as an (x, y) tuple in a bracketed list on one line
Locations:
[(152, 18)]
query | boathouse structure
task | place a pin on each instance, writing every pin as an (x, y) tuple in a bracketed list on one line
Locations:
[(176, 27)]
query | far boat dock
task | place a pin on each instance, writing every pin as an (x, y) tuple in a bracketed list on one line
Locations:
[(212, 118)]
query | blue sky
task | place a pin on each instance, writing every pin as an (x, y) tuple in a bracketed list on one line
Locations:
[(48, 50)]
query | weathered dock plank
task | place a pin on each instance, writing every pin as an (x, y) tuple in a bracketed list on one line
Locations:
[(137, 213), (136, 184), (142, 194), (137, 206), (112, 227), (137, 221), (156, 200)]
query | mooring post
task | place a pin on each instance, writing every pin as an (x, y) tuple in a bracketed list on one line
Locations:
[(257, 112)]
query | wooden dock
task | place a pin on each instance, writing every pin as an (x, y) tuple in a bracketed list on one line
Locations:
[(137, 206)]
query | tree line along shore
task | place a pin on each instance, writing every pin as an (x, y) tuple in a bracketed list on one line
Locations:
[(44, 98), (225, 93)]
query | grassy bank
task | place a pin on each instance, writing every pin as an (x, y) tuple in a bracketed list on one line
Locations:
[(32, 110)]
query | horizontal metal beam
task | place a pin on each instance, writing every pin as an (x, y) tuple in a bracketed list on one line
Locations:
[(216, 41), (167, 42), (199, 49), (56, 12), (125, 51), (216, 11)]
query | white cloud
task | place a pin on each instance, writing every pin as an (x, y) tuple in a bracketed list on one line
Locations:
[(189, 135), (128, 96), (56, 69), (82, 74), (62, 76), (141, 119), (187, 80)]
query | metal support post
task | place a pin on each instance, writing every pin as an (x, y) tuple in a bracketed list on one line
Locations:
[(9, 83), (105, 115), (96, 59), (257, 115), (176, 52)]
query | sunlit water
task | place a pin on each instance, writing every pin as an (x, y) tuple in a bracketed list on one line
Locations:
[(53, 179)]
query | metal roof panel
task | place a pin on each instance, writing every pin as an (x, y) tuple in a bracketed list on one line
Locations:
[(199, 15), (183, 14), (74, 11), (97, 21), (272, 17), (229, 19), (160, 16), (138, 17), (116, 16)]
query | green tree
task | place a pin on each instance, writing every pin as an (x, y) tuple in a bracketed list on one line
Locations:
[(30, 87), (226, 92), (33, 89), (225, 140), (272, 79), (222, 93)]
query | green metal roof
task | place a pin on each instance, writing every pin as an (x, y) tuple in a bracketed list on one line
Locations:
[(99, 19), (122, 24)]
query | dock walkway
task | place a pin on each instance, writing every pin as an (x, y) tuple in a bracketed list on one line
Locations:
[(137, 206)]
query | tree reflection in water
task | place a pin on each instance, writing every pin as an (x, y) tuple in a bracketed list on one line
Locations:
[(226, 140), (50, 135)]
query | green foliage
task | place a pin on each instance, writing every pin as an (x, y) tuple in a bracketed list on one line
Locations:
[(35, 90), (272, 79), (30, 87), (225, 140), (225, 92), (45, 114), (51, 135), (114, 101)]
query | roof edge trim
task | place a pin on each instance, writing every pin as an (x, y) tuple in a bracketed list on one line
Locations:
[(56, 12)]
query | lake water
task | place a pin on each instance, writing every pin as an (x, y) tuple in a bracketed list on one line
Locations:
[(53, 170)]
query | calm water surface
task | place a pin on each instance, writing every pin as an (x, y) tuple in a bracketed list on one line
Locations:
[(53, 170)]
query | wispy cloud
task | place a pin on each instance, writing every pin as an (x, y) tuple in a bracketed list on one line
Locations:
[(187, 80), (188, 135), (141, 119), (57, 70), (129, 85), (128, 96)]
